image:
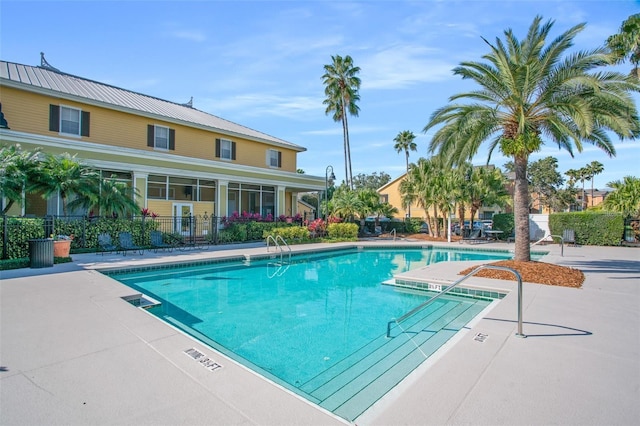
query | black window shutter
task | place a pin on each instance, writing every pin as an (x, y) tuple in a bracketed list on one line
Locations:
[(54, 118), (151, 136), (85, 123), (217, 148), (279, 159), (233, 150), (172, 139)]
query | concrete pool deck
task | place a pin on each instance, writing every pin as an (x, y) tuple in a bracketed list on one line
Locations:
[(72, 352)]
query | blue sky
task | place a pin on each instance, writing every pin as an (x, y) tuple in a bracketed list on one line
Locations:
[(259, 63)]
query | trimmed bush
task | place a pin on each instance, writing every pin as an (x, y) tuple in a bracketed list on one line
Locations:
[(591, 228), (289, 233), (341, 231), (504, 222)]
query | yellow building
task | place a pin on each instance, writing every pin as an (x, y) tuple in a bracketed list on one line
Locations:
[(181, 160), (391, 194)]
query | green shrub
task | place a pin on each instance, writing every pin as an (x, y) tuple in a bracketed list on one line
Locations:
[(19, 232), (256, 230), (504, 222), (347, 231), (591, 228), (411, 226), (289, 233), (235, 233)]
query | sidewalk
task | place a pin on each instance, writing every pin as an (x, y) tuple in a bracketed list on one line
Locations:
[(71, 352)]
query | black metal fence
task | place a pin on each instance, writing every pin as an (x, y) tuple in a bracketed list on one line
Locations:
[(199, 230), (632, 231)]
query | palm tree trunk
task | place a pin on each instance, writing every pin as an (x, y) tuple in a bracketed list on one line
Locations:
[(345, 143), (407, 161), (348, 148), (437, 222), (521, 210)]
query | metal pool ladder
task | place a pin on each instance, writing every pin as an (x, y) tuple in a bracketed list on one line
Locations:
[(470, 274), (278, 246)]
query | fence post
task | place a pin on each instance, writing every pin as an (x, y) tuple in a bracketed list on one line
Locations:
[(49, 226), (5, 235)]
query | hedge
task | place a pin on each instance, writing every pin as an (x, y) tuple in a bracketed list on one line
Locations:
[(504, 222), (591, 228), (343, 231)]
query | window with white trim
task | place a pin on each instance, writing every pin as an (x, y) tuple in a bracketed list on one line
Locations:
[(225, 149), (161, 137), (68, 120), (274, 158)]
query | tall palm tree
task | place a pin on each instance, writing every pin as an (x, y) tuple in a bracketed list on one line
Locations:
[(593, 168), (405, 143), (341, 91), (626, 44), (532, 89)]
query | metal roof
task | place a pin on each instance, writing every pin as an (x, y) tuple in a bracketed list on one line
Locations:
[(48, 79)]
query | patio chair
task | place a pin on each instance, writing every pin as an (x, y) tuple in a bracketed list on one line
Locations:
[(126, 243), (474, 238), (157, 242), (569, 237), (105, 244)]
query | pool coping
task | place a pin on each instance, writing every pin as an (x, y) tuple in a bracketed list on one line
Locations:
[(44, 379)]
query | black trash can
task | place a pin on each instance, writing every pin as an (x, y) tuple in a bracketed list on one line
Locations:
[(41, 253)]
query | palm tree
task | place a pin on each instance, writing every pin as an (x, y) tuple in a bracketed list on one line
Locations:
[(626, 44), (368, 204), (66, 176), (16, 168), (116, 199), (345, 203), (405, 143), (462, 189), (419, 187), (530, 89), (594, 168), (341, 91), (486, 187), (625, 197)]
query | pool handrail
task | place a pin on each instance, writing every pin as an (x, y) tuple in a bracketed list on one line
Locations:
[(278, 246), (470, 274)]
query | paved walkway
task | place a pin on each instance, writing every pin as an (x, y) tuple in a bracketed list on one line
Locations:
[(72, 353)]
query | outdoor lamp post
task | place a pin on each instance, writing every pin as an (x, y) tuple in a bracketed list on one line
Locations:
[(326, 187)]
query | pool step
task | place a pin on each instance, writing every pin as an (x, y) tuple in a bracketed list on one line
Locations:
[(350, 387)]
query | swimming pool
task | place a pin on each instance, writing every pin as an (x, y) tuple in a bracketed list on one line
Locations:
[(317, 324)]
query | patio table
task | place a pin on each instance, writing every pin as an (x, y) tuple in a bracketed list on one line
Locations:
[(493, 235)]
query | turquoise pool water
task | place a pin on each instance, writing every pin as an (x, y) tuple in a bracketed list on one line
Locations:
[(316, 325)]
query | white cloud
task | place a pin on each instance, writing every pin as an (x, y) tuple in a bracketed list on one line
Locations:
[(191, 35), (401, 66)]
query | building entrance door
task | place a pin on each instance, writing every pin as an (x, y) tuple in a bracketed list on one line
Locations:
[(183, 218)]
